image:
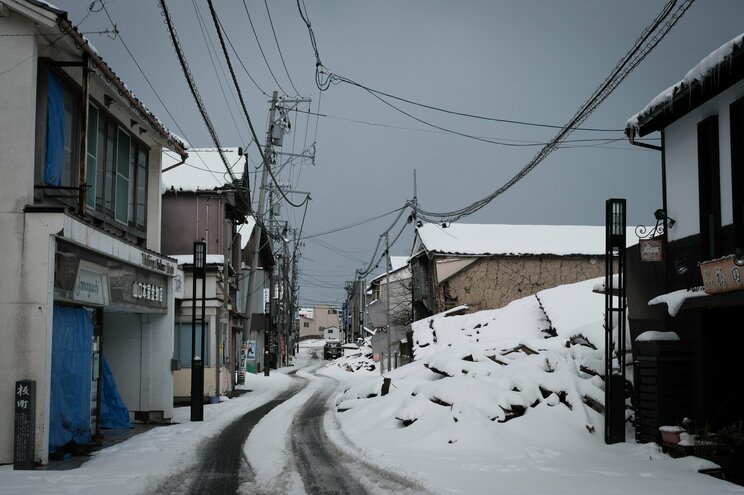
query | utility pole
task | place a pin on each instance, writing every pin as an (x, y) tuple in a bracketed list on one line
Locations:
[(225, 320), (257, 232), (387, 300)]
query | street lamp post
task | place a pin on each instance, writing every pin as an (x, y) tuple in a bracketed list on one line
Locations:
[(197, 363)]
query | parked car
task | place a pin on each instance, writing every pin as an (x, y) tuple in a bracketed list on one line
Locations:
[(332, 349)]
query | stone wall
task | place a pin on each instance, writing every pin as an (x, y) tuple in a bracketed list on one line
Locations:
[(492, 283)]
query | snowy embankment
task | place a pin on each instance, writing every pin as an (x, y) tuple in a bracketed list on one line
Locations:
[(507, 401)]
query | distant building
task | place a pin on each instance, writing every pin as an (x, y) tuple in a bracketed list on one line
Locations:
[(314, 321), (487, 266)]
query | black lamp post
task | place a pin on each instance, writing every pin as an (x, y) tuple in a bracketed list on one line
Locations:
[(197, 364), (615, 311)]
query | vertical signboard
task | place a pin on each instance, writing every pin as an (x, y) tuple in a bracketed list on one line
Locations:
[(24, 432)]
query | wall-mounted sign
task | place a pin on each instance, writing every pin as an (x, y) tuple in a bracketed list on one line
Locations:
[(651, 249), (178, 284), (90, 287), (148, 292), (721, 275), (155, 263)]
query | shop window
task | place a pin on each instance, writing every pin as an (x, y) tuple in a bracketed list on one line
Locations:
[(182, 343), (709, 187)]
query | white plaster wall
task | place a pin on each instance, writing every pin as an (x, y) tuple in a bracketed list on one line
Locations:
[(682, 167), (122, 343), (25, 303), (17, 113), (139, 348), (26, 311), (157, 351)]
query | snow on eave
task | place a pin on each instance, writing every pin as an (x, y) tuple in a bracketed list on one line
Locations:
[(675, 300), (706, 68)]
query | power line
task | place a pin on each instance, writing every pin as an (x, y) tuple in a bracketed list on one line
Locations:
[(217, 26), (355, 224), (157, 95), (271, 22), (346, 80), (192, 86), (626, 64), (210, 48), (261, 49), (237, 55)]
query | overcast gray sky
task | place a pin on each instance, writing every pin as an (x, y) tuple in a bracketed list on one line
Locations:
[(532, 61)]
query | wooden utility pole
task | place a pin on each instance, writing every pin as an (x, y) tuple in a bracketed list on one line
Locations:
[(258, 228), (387, 301)]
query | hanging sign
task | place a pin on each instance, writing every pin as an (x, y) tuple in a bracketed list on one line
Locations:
[(651, 249)]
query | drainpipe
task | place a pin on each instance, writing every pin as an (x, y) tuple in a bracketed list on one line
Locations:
[(631, 138)]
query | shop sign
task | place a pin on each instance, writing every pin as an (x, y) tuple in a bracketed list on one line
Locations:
[(24, 434), (178, 285), (157, 264), (147, 292), (90, 287), (721, 275), (651, 249)]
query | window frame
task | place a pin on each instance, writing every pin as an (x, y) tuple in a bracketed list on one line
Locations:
[(180, 343)]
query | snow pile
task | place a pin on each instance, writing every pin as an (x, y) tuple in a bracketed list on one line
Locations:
[(489, 368), (506, 400), (356, 360)]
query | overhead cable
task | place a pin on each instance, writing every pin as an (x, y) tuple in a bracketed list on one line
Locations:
[(261, 49), (627, 63), (281, 56), (192, 86)]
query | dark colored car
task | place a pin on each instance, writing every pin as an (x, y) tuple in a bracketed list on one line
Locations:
[(332, 350)]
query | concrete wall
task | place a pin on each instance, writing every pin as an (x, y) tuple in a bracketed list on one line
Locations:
[(27, 264), (492, 283), (138, 348), (26, 312)]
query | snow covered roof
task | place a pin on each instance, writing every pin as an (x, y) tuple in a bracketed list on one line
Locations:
[(504, 239), (708, 76), (396, 263), (203, 169), (246, 230)]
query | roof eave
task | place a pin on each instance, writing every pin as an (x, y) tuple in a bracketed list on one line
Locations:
[(691, 96)]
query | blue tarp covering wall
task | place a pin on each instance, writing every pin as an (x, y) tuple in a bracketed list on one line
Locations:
[(114, 413), (72, 345), (55, 141), (69, 414)]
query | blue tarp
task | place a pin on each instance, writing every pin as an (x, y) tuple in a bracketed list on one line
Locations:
[(114, 413), (69, 409), (55, 140)]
